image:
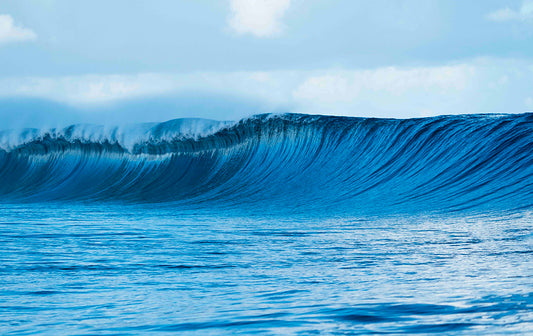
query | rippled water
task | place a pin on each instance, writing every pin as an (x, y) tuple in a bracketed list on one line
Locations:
[(126, 269), (275, 224)]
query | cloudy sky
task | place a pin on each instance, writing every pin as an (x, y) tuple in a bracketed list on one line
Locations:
[(226, 59)]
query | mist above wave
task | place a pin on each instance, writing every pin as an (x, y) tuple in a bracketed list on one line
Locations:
[(123, 137)]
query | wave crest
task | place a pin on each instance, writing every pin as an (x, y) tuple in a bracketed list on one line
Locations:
[(283, 161)]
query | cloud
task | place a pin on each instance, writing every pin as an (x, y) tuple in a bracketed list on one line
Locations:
[(261, 18), (406, 91), (348, 86), (473, 86), (529, 103), (9, 32), (88, 89), (524, 13)]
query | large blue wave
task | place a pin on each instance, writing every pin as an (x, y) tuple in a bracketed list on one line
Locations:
[(289, 161)]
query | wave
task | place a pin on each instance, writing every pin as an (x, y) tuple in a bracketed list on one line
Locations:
[(288, 161)]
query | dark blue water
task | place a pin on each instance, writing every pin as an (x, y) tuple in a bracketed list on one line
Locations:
[(273, 225)]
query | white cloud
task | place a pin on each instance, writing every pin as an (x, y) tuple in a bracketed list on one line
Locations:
[(474, 86), (9, 32), (350, 85), (88, 89), (406, 91), (261, 18), (524, 13), (529, 102)]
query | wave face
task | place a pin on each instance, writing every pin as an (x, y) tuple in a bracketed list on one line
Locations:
[(448, 163)]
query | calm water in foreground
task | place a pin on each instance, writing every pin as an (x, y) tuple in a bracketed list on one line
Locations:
[(120, 270)]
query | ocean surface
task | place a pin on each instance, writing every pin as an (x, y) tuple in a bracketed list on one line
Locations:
[(274, 224)]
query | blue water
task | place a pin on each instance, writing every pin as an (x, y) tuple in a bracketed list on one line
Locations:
[(287, 224)]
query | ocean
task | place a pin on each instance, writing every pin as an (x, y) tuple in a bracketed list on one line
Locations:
[(274, 224)]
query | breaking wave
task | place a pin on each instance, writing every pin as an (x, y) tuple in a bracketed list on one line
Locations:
[(326, 163)]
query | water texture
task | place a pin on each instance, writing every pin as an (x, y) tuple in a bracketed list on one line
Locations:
[(275, 224)]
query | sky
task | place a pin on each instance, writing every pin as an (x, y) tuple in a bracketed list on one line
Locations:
[(154, 60)]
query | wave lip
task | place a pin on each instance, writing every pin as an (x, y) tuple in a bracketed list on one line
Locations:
[(450, 163), (124, 137)]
